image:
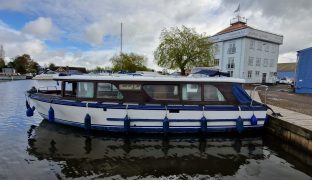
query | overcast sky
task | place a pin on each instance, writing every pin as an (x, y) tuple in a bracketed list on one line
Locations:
[(87, 33)]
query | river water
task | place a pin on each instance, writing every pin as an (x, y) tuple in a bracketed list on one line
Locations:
[(32, 148)]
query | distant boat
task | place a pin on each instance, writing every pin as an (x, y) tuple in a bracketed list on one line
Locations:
[(12, 76), (46, 76)]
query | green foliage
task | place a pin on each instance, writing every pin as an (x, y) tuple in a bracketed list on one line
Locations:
[(129, 62), (100, 69), (2, 64), (183, 48), (24, 64), (52, 67)]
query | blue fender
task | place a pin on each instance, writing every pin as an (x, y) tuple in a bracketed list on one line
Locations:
[(253, 120), (166, 125), (51, 116), (87, 122), (29, 112), (239, 125), (126, 123), (203, 124), (266, 120)]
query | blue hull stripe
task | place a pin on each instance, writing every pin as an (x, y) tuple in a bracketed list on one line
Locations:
[(154, 129), (177, 120), (150, 107)]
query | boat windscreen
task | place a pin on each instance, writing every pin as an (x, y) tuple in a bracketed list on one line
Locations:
[(240, 94)]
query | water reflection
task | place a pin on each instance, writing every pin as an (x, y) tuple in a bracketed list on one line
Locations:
[(101, 155)]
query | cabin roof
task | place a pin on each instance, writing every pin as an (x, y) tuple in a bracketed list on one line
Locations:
[(148, 78)]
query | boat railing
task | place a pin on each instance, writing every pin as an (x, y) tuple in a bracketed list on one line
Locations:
[(46, 88), (253, 92)]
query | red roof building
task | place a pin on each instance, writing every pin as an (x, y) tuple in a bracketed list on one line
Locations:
[(246, 52)]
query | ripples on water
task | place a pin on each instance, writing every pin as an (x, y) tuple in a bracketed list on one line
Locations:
[(32, 148)]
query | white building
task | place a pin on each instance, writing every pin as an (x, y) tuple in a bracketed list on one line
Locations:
[(246, 52), (2, 55)]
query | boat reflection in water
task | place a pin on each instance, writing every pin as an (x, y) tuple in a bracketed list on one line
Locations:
[(91, 155)]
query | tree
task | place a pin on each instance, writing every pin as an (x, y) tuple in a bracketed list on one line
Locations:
[(24, 64), (183, 48), (52, 67), (2, 64), (129, 62)]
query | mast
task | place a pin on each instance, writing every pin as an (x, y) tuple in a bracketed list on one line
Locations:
[(120, 38)]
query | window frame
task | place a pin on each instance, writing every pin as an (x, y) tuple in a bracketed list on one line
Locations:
[(203, 94), (101, 98), (179, 99), (201, 91)]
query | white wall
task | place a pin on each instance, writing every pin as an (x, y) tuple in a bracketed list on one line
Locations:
[(241, 59)]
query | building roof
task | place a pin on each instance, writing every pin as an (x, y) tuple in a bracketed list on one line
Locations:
[(282, 67), (234, 27), (239, 28), (306, 49)]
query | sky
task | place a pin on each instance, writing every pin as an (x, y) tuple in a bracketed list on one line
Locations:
[(87, 32)]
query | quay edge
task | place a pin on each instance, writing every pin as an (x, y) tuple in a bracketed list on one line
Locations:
[(291, 133)]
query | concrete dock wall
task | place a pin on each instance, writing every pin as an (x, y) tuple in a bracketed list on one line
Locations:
[(291, 133), (292, 127)]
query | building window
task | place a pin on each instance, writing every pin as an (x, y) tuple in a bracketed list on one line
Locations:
[(231, 73), (216, 62), (250, 61), (272, 63), (211, 93), (249, 74), (258, 62), (259, 46), (257, 73), (162, 92), (266, 47), (85, 89), (231, 64), (108, 90), (252, 44), (217, 49), (265, 63), (191, 92), (232, 48)]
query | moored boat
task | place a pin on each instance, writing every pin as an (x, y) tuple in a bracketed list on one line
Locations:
[(166, 104), (12, 76)]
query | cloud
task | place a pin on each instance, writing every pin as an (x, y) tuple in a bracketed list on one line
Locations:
[(16, 43), (42, 28), (97, 23)]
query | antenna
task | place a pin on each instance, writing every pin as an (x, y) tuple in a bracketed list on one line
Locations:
[(120, 38)]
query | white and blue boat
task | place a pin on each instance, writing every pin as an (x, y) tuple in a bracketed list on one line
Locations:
[(142, 104)]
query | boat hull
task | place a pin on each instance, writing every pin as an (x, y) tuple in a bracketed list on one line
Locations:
[(12, 77), (113, 117)]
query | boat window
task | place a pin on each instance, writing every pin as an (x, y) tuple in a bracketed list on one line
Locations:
[(162, 92), (108, 90), (211, 93), (85, 89), (191, 92), (130, 87), (70, 89)]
